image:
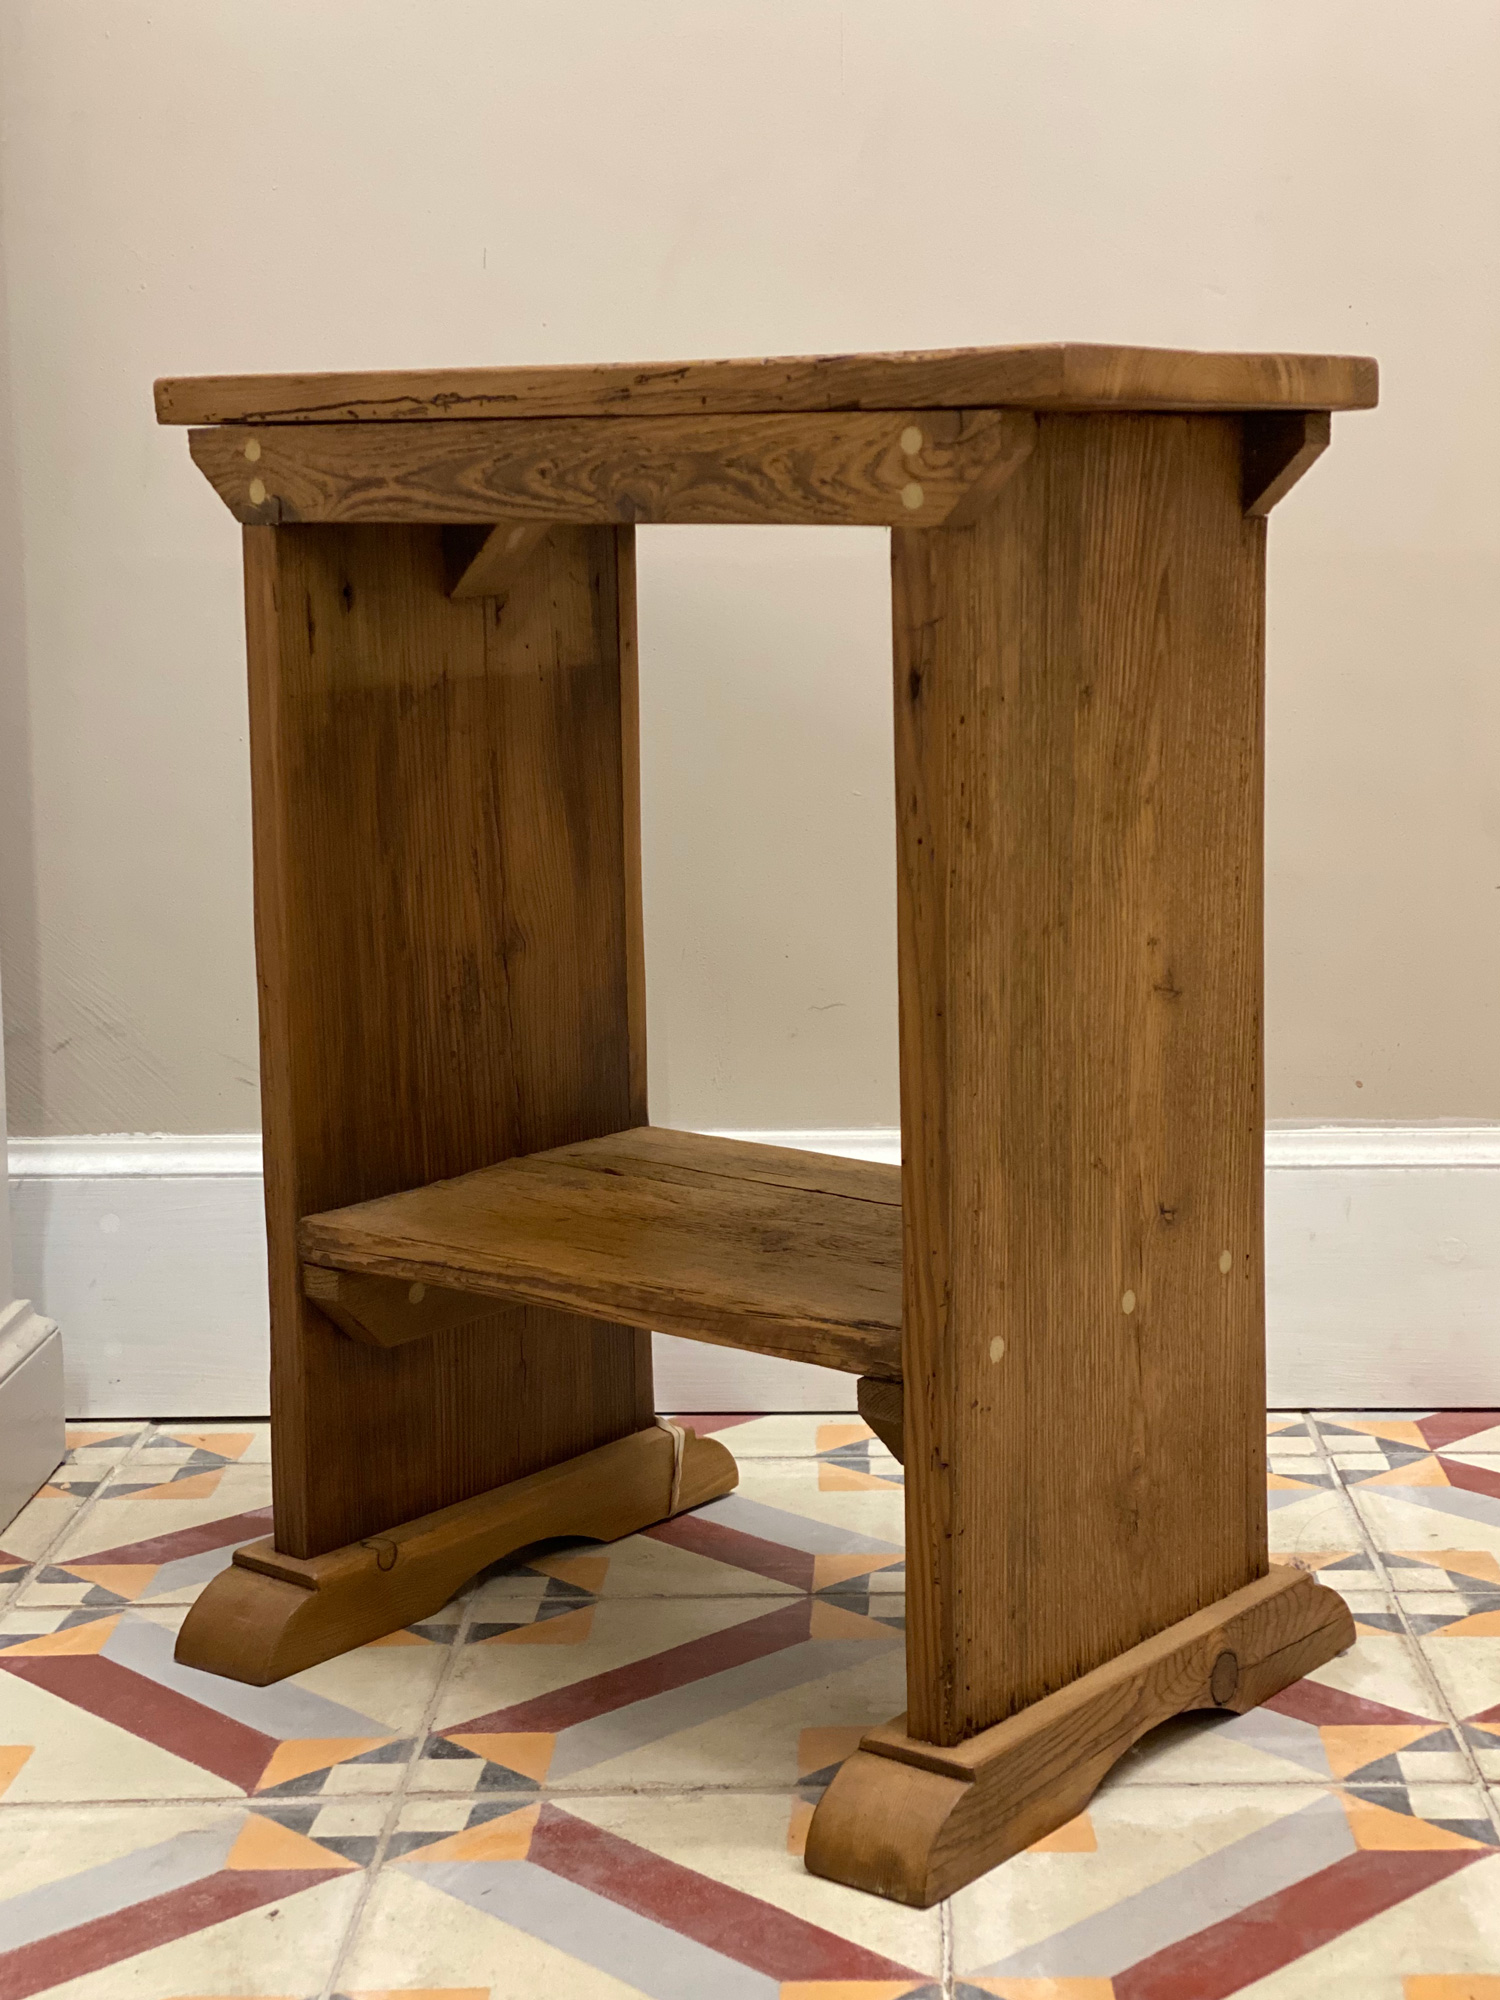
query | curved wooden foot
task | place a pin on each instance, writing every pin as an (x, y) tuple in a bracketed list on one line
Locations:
[(270, 1615), (913, 1821)]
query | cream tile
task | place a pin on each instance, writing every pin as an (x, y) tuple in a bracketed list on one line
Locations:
[(41, 1848), (1423, 1769), (137, 1503), (638, 1566), (1399, 1426), (1487, 1440), (740, 1840), (1467, 1671), (811, 1490), (1297, 1443), (1204, 1748), (73, 1756), (454, 1777), (790, 1525), (500, 1674), (431, 1817), (1313, 1525), (234, 1443), (348, 1819), (1411, 1578), (676, 1895), (40, 1523), (148, 1487), (156, 1544), (1449, 1802), (837, 1689), (1383, 1667), (1027, 1918), (392, 1684), (795, 1435), (1266, 1745), (106, 1713), (414, 1937), (103, 1442), (1441, 1943), (284, 1947)]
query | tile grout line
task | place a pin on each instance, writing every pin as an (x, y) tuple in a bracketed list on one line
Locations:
[(1424, 1666), (404, 1789), (947, 1979), (400, 1794), (80, 1514)]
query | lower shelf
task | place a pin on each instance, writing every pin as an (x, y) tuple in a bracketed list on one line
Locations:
[(786, 1253)]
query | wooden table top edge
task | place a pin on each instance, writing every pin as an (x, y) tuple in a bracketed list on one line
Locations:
[(1052, 376)]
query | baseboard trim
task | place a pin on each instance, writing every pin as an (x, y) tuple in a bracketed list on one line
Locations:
[(227, 1155), (31, 1405), (1382, 1256), (110, 1156)]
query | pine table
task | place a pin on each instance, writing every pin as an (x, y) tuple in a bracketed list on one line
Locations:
[(1055, 1305)]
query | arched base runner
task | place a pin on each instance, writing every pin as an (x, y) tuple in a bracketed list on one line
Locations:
[(913, 1821), (270, 1615)]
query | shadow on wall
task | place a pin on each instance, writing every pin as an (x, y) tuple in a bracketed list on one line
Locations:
[(18, 907)]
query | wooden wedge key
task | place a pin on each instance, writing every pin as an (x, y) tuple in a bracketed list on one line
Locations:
[(1054, 1307)]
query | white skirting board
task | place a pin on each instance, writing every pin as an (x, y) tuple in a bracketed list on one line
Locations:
[(1382, 1250), (31, 1405)]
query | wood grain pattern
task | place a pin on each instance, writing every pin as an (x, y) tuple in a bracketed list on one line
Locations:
[(1278, 449), (1078, 701), (269, 1615), (830, 471), (492, 562), (794, 1254), (883, 1407), (1058, 375), (383, 1312), (915, 1823), (444, 897), (630, 840)]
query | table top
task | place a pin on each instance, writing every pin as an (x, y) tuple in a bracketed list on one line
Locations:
[(1058, 376)]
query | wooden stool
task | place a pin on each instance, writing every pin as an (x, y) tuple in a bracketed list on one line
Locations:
[(1056, 1303)]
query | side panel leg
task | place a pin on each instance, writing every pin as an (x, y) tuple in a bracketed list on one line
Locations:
[(448, 933), (1078, 760)]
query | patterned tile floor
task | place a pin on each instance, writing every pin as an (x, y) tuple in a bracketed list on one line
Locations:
[(592, 1774)]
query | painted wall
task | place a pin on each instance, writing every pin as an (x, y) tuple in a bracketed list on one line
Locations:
[(264, 184)]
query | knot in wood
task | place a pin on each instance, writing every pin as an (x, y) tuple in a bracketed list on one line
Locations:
[(1225, 1679)]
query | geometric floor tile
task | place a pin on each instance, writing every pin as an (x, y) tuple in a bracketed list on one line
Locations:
[(154, 1537), (654, 1896), (1218, 1891), (592, 1774), (167, 1900), (108, 1714)]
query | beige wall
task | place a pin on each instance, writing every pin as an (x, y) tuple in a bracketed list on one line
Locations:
[(263, 184)]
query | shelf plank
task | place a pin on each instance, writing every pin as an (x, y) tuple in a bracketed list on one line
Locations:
[(786, 1253)]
